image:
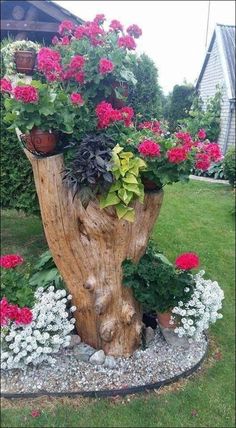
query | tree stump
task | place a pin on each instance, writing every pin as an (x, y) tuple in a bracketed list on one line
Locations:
[(88, 247)]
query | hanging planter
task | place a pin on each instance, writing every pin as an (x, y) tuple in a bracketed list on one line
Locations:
[(25, 61), (39, 141)]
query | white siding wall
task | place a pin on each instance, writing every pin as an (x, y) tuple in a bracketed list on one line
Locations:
[(213, 76)]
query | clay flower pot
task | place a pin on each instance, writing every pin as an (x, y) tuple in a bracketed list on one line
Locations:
[(149, 185), (40, 141), (116, 102), (25, 61), (164, 319)]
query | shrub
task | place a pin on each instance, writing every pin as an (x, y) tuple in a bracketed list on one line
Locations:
[(146, 96), (180, 102), (229, 166), (46, 273)]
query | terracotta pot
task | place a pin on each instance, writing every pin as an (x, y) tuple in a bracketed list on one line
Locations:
[(40, 141), (25, 61), (149, 184), (116, 102), (164, 320)]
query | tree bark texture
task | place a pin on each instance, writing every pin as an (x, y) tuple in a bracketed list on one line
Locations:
[(88, 247)]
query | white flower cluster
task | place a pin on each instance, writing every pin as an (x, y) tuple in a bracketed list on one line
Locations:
[(9, 50), (45, 335), (201, 310)]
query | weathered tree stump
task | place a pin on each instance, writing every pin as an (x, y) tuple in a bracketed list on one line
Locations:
[(88, 247)]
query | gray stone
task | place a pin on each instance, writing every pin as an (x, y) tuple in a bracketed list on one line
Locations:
[(149, 335), (97, 358), (74, 340), (110, 362), (83, 352), (173, 339)]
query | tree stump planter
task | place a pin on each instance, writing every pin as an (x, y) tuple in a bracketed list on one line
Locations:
[(88, 247)]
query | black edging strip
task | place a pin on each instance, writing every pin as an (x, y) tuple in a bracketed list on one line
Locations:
[(109, 392)]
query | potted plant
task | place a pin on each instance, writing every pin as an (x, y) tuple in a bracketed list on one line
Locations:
[(19, 56), (41, 114)]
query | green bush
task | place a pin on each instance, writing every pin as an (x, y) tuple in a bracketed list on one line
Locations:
[(229, 166), (179, 104), (15, 286), (146, 96), (17, 184)]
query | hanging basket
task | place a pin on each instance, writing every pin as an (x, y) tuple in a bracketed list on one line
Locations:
[(25, 61)]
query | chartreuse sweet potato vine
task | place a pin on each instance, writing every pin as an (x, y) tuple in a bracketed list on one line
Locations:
[(126, 169)]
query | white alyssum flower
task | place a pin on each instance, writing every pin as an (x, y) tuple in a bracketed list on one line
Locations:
[(201, 310), (49, 331)]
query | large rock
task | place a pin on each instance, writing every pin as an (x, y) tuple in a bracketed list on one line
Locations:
[(74, 340), (110, 362), (83, 351), (173, 339), (98, 358)]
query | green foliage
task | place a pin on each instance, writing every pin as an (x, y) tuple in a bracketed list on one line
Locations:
[(88, 174), (15, 286), (46, 273), (128, 186), (229, 166), (156, 284), (208, 118), (179, 105), (146, 96), (17, 184)]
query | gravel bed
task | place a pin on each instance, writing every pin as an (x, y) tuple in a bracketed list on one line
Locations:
[(158, 362)]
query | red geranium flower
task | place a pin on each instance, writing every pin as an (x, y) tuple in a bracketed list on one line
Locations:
[(105, 66), (201, 134), (203, 161), (187, 261), (115, 25), (26, 93), (177, 155), (79, 77), (134, 30), (10, 261), (127, 114), (77, 62), (99, 19), (126, 42), (154, 126), (25, 316), (65, 40), (65, 26), (76, 99), (5, 85), (80, 32), (149, 148), (214, 151)]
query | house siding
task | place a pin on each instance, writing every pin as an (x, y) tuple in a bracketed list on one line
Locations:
[(213, 76)]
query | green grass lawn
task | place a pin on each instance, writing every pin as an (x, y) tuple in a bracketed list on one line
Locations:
[(194, 217)]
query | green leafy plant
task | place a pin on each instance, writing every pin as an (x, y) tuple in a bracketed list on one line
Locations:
[(15, 286), (46, 273), (126, 169), (89, 172), (207, 118), (229, 166), (52, 111), (155, 282)]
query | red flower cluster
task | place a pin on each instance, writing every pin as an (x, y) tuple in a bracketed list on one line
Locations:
[(203, 161), (105, 66), (177, 155), (10, 261), (90, 30), (14, 313), (65, 27), (214, 151), (26, 93), (76, 99), (126, 42), (107, 115), (149, 148), (154, 126), (201, 134), (49, 63), (5, 85), (187, 261), (134, 30), (77, 62), (115, 25), (99, 19)]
